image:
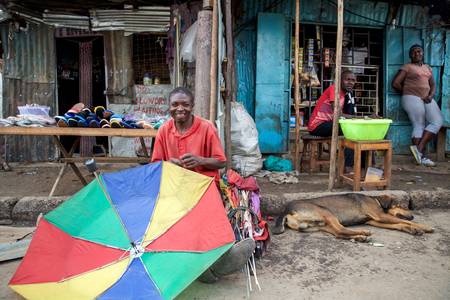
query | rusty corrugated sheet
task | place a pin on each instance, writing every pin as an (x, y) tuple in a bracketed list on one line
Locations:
[(66, 20), (29, 77), (356, 12), (413, 16), (142, 19), (62, 32), (119, 67)]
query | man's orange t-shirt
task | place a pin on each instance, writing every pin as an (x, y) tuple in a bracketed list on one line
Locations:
[(200, 140)]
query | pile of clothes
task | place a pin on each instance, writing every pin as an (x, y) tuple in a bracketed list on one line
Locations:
[(30, 115), (98, 117), (27, 121)]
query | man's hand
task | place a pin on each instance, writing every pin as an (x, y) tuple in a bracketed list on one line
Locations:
[(427, 99), (176, 162), (191, 161)]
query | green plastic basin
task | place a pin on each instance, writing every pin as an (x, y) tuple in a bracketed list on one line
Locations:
[(365, 129)]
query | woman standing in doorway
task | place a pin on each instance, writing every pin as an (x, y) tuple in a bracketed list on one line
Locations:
[(416, 84)]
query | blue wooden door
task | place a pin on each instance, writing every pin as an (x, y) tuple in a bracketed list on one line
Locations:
[(398, 42), (272, 92)]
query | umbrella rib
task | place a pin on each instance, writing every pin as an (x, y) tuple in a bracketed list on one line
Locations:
[(114, 207), (149, 276)]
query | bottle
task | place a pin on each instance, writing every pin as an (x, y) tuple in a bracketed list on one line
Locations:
[(147, 79)]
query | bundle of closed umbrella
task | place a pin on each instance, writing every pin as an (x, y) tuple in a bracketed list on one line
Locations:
[(98, 117)]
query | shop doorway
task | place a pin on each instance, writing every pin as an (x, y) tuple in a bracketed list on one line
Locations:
[(81, 78)]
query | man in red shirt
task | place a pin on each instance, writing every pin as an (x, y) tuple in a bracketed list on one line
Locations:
[(187, 140), (193, 143), (321, 121)]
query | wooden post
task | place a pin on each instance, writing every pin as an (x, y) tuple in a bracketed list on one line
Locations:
[(337, 90), (177, 51), (203, 64), (228, 81), (297, 87), (213, 71)]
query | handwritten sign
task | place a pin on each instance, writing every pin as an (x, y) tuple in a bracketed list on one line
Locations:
[(152, 103)]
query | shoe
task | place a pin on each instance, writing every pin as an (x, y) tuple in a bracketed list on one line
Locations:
[(61, 121), (235, 258), (107, 114), (94, 124), (116, 123), (104, 123), (427, 162), (98, 110), (416, 153), (72, 122), (85, 112)]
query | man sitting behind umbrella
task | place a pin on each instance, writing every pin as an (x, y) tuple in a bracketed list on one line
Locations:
[(193, 143)]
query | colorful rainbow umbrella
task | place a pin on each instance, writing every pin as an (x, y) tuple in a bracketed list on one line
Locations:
[(144, 233)]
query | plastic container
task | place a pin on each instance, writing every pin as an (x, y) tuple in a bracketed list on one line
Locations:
[(365, 129)]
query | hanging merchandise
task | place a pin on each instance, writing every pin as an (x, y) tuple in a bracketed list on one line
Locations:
[(327, 57), (300, 60), (242, 203), (318, 37), (309, 76), (310, 52)]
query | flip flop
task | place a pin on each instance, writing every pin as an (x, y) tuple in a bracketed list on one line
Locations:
[(85, 112), (107, 114), (98, 110), (104, 122), (69, 115), (61, 121), (116, 123), (94, 124), (72, 122)]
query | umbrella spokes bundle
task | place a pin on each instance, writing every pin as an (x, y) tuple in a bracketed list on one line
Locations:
[(145, 232)]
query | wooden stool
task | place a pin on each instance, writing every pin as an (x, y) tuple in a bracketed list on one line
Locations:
[(357, 147), (315, 151), (441, 142)]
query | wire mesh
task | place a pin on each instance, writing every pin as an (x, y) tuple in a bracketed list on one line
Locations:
[(149, 56)]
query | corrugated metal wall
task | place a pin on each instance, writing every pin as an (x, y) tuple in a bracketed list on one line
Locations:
[(119, 67), (358, 13), (29, 77)]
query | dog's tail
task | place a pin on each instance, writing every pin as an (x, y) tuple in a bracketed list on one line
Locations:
[(279, 225)]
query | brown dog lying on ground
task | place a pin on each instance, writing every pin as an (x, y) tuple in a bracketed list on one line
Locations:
[(332, 213)]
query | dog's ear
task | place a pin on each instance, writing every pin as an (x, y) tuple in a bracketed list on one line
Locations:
[(386, 201)]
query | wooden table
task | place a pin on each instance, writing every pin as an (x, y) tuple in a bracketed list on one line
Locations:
[(67, 156)]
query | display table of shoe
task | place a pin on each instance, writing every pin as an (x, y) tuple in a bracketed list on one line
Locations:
[(67, 156)]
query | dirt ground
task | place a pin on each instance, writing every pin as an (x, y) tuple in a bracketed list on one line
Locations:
[(36, 179), (318, 266)]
